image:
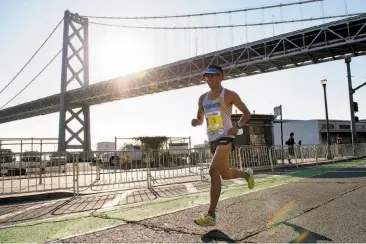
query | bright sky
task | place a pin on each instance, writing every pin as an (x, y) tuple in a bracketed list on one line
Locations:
[(116, 51)]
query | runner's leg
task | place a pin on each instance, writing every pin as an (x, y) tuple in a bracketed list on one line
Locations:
[(221, 155), (228, 173), (220, 167), (209, 219)]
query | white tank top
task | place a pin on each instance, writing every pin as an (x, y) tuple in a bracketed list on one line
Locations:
[(218, 117)]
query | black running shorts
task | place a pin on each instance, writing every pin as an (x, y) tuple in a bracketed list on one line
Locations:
[(221, 141)]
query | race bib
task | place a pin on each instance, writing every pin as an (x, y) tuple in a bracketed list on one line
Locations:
[(214, 122)]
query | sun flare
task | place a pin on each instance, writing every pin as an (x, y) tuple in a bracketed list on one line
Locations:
[(124, 54)]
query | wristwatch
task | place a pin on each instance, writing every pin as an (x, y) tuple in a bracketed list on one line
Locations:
[(237, 126), (240, 130)]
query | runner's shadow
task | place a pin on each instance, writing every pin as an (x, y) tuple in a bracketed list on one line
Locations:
[(215, 236), (306, 236)]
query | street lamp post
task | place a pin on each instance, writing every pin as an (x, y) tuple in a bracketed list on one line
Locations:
[(324, 83)]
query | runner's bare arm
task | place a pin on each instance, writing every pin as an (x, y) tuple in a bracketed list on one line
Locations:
[(201, 111), (236, 100)]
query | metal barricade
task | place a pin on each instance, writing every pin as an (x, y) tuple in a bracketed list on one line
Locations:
[(107, 170), (29, 172), (256, 156), (87, 172), (243, 157), (170, 166)]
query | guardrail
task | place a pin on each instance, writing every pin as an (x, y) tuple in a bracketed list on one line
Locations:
[(109, 170)]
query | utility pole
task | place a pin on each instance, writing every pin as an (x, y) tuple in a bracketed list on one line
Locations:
[(351, 103)]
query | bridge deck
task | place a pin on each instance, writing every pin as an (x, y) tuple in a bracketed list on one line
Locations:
[(323, 43)]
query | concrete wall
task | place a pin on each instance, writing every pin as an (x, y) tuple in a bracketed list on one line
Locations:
[(307, 131)]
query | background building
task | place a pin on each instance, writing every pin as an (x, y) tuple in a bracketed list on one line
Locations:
[(315, 131), (258, 131)]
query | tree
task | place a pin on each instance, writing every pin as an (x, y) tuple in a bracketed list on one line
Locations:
[(152, 143)]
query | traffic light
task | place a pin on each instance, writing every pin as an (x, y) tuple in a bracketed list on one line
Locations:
[(355, 107), (356, 119)]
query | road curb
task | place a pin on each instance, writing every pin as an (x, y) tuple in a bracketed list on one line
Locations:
[(35, 197)]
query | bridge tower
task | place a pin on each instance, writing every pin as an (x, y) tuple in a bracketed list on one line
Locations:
[(75, 69)]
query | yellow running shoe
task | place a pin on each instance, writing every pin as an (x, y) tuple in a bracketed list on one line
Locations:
[(206, 220), (250, 180)]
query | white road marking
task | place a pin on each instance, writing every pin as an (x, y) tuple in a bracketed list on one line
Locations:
[(117, 199), (348, 171), (190, 187)]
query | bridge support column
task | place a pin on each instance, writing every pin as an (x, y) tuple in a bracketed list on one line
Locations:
[(74, 123)]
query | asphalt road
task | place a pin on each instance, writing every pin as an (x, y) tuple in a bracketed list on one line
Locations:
[(326, 208)]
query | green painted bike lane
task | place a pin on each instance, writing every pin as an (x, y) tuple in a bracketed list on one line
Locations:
[(54, 229)]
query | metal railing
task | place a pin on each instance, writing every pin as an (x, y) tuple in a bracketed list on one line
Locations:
[(86, 172), (36, 171)]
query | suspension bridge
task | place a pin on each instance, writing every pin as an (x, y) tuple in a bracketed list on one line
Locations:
[(335, 40)]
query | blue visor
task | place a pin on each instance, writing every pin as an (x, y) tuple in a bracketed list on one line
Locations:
[(213, 71)]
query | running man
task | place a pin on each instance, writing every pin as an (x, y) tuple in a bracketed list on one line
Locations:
[(216, 107)]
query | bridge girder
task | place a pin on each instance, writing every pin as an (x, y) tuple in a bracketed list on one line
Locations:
[(328, 42)]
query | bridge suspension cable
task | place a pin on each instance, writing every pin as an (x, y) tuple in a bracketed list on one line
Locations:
[(44, 68), (49, 36), (204, 14), (225, 26)]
